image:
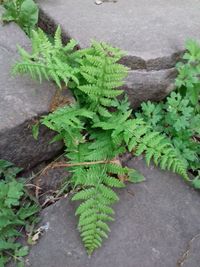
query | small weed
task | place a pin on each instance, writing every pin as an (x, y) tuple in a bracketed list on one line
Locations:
[(17, 213)]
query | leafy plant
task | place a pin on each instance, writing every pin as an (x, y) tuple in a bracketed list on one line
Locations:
[(16, 212), (196, 181), (23, 12), (178, 116), (179, 122), (188, 80), (49, 60), (97, 128)]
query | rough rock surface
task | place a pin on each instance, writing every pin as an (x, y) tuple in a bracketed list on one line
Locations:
[(149, 85), (152, 32), (155, 223), (21, 101), (52, 179)]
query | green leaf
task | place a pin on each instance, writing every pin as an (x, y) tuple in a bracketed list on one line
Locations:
[(23, 251), (196, 182), (7, 245), (20, 264), (15, 191), (35, 131), (23, 12), (27, 211), (135, 177), (4, 164), (16, 211), (29, 13)]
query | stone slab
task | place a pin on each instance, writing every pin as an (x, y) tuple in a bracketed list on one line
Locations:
[(149, 85), (155, 222), (21, 101), (152, 32), (149, 30)]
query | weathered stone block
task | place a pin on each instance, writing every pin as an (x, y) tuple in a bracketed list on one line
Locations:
[(21, 101), (155, 220), (149, 85)]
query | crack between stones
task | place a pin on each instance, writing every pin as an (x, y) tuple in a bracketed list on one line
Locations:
[(157, 64), (49, 25), (186, 254)]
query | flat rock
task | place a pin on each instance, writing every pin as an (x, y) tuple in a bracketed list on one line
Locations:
[(152, 32), (22, 100), (156, 223)]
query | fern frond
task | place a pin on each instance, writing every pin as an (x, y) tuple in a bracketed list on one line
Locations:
[(141, 139), (102, 75), (95, 211), (102, 147), (156, 147), (65, 117), (67, 121), (51, 61)]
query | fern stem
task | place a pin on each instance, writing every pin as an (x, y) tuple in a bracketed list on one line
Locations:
[(64, 164)]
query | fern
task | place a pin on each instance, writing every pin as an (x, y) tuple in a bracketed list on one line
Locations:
[(96, 195), (141, 139), (47, 60), (101, 73), (95, 211), (67, 122), (99, 76), (97, 129)]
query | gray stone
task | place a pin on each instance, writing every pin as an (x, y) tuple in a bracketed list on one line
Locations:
[(140, 85), (152, 32), (22, 100), (190, 257), (51, 180), (155, 221)]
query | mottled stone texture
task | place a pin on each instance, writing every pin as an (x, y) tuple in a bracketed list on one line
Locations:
[(143, 85), (155, 220), (21, 101), (152, 32)]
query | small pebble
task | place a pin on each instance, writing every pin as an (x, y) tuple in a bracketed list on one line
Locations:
[(98, 2)]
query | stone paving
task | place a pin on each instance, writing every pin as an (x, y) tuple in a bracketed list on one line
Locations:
[(155, 222)]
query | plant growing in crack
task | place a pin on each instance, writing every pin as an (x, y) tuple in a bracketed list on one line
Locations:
[(178, 116), (97, 129), (17, 212)]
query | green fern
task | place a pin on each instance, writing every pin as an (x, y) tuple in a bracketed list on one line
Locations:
[(102, 76), (96, 195), (51, 61), (101, 73), (67, 122), (141, 139), (95, 210), (97, 129)]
